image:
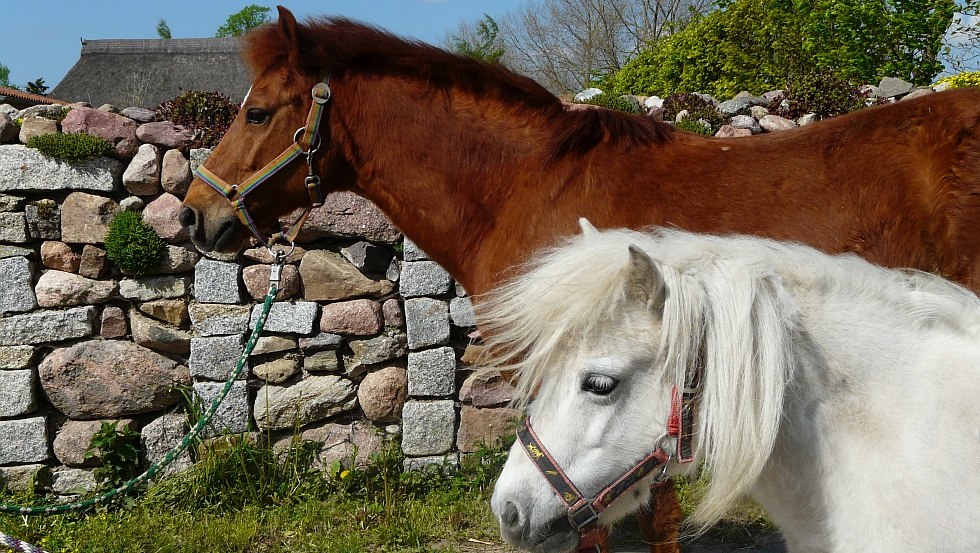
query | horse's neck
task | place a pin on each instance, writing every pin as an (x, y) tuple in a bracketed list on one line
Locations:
[(452, 177)]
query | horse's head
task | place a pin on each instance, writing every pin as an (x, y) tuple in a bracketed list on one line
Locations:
[(594, 365), (270, 126)]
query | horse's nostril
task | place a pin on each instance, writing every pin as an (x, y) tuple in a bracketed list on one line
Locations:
[(511, 516), (186, 217)]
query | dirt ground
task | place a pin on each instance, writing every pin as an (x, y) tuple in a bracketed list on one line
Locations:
[(627, 539)]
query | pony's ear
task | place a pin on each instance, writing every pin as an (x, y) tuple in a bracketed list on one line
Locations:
[(646, 281), (586, 227), (290, 34)]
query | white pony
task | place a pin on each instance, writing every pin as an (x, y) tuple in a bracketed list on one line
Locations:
[(843, 397)]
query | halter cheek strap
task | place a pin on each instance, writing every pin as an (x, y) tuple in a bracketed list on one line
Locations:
[(306, 141), (583, 512)]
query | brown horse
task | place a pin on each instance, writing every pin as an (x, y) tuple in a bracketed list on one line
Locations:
[(481, 167)]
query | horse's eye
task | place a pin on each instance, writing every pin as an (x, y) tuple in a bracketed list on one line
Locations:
[(256, 116), (599, 384)]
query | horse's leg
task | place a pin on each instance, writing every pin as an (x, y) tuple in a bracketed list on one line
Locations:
[(661, 521)]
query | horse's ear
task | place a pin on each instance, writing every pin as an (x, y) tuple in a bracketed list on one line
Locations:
[(586, 227), (646, 281), (290, 33)]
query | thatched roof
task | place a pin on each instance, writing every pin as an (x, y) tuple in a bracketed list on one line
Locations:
[(20, 99), (145, 72)]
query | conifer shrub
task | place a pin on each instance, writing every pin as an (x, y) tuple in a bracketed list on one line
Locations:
[(71, 147), (614, 101), (133, 245)]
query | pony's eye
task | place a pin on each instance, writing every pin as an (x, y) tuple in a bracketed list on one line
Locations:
[(256, 116), (599, 384)]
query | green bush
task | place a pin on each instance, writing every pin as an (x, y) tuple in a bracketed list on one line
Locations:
[(133, 245), (961, 80), (698, 108), (694, 126), (73, 147), (614, 101), (761, 44), (119, 451), (820, 92), (208, 114)]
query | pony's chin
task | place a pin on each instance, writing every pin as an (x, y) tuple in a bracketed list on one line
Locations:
[(562, 542)]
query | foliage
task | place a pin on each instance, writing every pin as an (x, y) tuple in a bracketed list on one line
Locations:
[(37, 87), (698, 108), (118, 448), (961, 80), (240, 22), (759, 45), (163, 30), (208, 114), (71, 147), (483, 44), (694, 126), (613, 101), (823, 93), (133, 245), (4, 75)]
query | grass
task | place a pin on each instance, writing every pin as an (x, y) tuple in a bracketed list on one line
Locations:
[(243, 496)]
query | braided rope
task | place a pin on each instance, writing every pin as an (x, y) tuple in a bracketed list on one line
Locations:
[(155, 468)]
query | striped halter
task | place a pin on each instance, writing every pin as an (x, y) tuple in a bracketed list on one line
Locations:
[(306, 141)]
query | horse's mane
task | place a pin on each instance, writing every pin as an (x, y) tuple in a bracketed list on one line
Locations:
[(730, 300), (340, 45)]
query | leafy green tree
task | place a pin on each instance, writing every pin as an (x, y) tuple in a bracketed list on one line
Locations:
[(163, 30), (761, 44), (4, 75), (239, 23), (37, 87), (482, 43)]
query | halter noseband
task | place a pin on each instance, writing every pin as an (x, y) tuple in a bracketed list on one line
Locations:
[(305, 146)]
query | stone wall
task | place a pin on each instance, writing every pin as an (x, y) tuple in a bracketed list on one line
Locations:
[(367, 339)]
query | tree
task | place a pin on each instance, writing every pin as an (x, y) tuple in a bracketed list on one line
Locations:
[(239, 23), (4, 75), (481, 42), (961, 51), (37, 87), (567, 44), (163, 30)]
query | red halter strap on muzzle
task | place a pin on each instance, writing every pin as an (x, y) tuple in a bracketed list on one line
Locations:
[(306, 141), (583, 512)]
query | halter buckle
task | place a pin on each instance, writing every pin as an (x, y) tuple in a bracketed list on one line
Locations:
[(584, 518), (321, 93), (314, 146)]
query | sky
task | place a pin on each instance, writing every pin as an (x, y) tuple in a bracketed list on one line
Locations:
[(41, 38)]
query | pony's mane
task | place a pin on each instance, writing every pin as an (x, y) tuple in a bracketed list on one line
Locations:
[(731, 301), (340, 45)]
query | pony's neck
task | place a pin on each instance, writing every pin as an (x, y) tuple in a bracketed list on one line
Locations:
[(448, 169)]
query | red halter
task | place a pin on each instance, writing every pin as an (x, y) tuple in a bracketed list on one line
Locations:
[(673, 445), (307, 146)]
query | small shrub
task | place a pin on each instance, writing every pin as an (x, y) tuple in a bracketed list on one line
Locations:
[(820, 92), (961, 80), (694, 126), (133, 245), (72, 147), (208, 114), (613, 101), (698, 108), (118, 448)]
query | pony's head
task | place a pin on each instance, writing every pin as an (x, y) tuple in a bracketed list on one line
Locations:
[(587, 348), (272, 120), (601, 333)]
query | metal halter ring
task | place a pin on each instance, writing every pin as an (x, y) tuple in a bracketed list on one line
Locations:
[(316, 140)]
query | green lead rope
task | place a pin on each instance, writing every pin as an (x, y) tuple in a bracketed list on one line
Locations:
[(155, 468)]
